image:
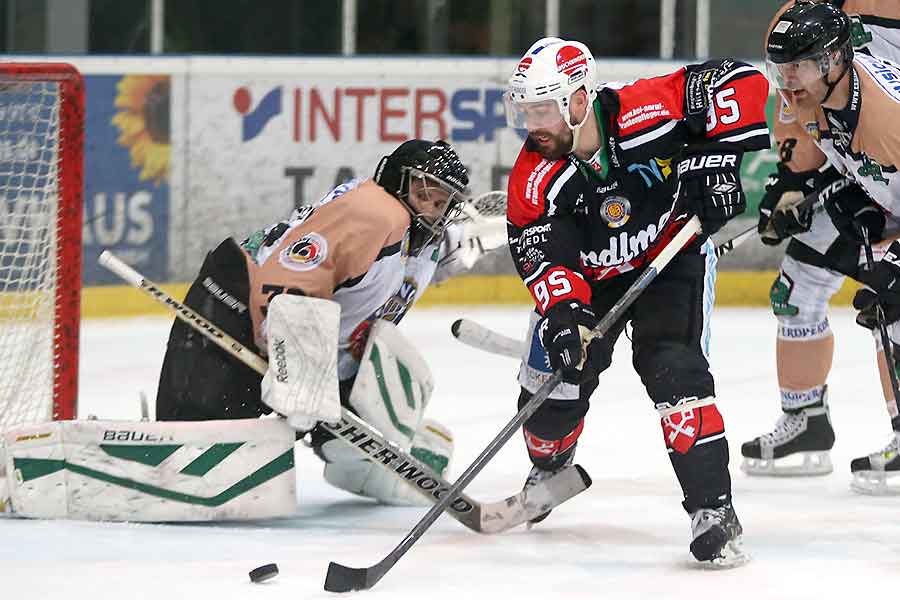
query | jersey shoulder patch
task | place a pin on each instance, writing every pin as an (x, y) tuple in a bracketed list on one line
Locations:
[(534, 186), (648, 103)]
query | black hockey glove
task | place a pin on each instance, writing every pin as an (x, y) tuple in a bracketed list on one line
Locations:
[(562, 333), (710, 181), (884, 280), (851, 210), (781, 210)]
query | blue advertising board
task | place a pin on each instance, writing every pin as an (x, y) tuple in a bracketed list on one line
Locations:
[(127, 165)]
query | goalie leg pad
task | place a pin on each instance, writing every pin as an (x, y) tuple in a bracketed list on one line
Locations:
[(432, 444), (392, 389), (393, 385), (162, 471)]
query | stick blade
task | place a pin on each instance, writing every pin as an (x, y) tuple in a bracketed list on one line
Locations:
[(346, 579)]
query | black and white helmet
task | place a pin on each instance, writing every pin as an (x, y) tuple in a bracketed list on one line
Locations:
[(438, 168)]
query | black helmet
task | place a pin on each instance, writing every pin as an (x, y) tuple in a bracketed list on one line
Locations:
[(808, 29), (806, 42), (438, 167)]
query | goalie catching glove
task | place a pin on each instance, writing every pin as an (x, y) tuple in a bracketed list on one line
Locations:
[(480, 228), (710, 184)]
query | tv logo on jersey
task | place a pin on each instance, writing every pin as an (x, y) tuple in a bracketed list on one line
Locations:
[(305, 254), (253, 121), (656, 169)]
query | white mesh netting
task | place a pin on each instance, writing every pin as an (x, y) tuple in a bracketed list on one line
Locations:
[(29, 150)]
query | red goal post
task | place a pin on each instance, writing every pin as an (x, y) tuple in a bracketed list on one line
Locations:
[(41, 183)]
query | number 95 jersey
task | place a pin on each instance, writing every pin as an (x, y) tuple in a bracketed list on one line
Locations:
[(574, 223)]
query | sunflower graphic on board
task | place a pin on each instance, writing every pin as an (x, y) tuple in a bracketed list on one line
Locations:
[(143, 123)]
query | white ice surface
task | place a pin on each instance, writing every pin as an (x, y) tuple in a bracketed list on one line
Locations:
[(626, 537)]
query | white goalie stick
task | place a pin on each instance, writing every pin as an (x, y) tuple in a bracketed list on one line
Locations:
[(370, 444), (341, 578)]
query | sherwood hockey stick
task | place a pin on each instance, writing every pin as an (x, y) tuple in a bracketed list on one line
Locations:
[(370, 444), (886, 344), (344, 579)]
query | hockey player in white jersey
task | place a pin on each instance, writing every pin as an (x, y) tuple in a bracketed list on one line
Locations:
[(813, 270), (843, 101)]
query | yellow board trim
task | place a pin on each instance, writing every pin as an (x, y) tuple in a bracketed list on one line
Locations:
[(733, 288)]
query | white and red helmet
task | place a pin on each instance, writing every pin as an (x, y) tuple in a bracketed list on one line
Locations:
[(551, 69)]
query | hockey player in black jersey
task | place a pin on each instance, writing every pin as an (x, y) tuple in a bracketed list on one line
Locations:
[(607, 175)]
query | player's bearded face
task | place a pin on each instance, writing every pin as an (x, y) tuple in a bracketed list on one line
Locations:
[(552, 144), (547, 130)]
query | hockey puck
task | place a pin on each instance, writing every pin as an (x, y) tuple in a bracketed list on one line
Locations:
[(263, 573)]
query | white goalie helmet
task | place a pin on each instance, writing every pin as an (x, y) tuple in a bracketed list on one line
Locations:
[(551, 70)]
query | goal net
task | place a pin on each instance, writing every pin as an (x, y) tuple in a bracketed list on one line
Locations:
[(41, 164)]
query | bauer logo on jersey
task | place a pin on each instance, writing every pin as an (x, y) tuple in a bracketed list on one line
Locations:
[(615, 210), (305, 254)]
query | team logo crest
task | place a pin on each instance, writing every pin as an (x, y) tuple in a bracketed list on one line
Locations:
[(812, 128), (523, 65), (786, 112), (305, 254), (615, 210)]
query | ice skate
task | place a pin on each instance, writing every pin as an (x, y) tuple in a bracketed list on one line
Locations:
[(872, 474), (717, 539), (798, 446), (537, 474)]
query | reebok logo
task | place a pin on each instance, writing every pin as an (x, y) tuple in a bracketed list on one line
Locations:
[(707, 161), (281, 372)]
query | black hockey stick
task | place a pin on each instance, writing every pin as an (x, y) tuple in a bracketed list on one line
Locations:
[(345, 579), (478, 336), (886, 343), (370, 444)]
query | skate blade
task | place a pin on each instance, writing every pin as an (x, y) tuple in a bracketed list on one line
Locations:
[(800, 464), (733, 556), (875, 483)]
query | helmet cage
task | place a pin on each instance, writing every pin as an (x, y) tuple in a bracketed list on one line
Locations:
[(443, 181), (429, 228)]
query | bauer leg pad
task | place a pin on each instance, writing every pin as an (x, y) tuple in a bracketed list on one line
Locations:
[(164, 471)]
